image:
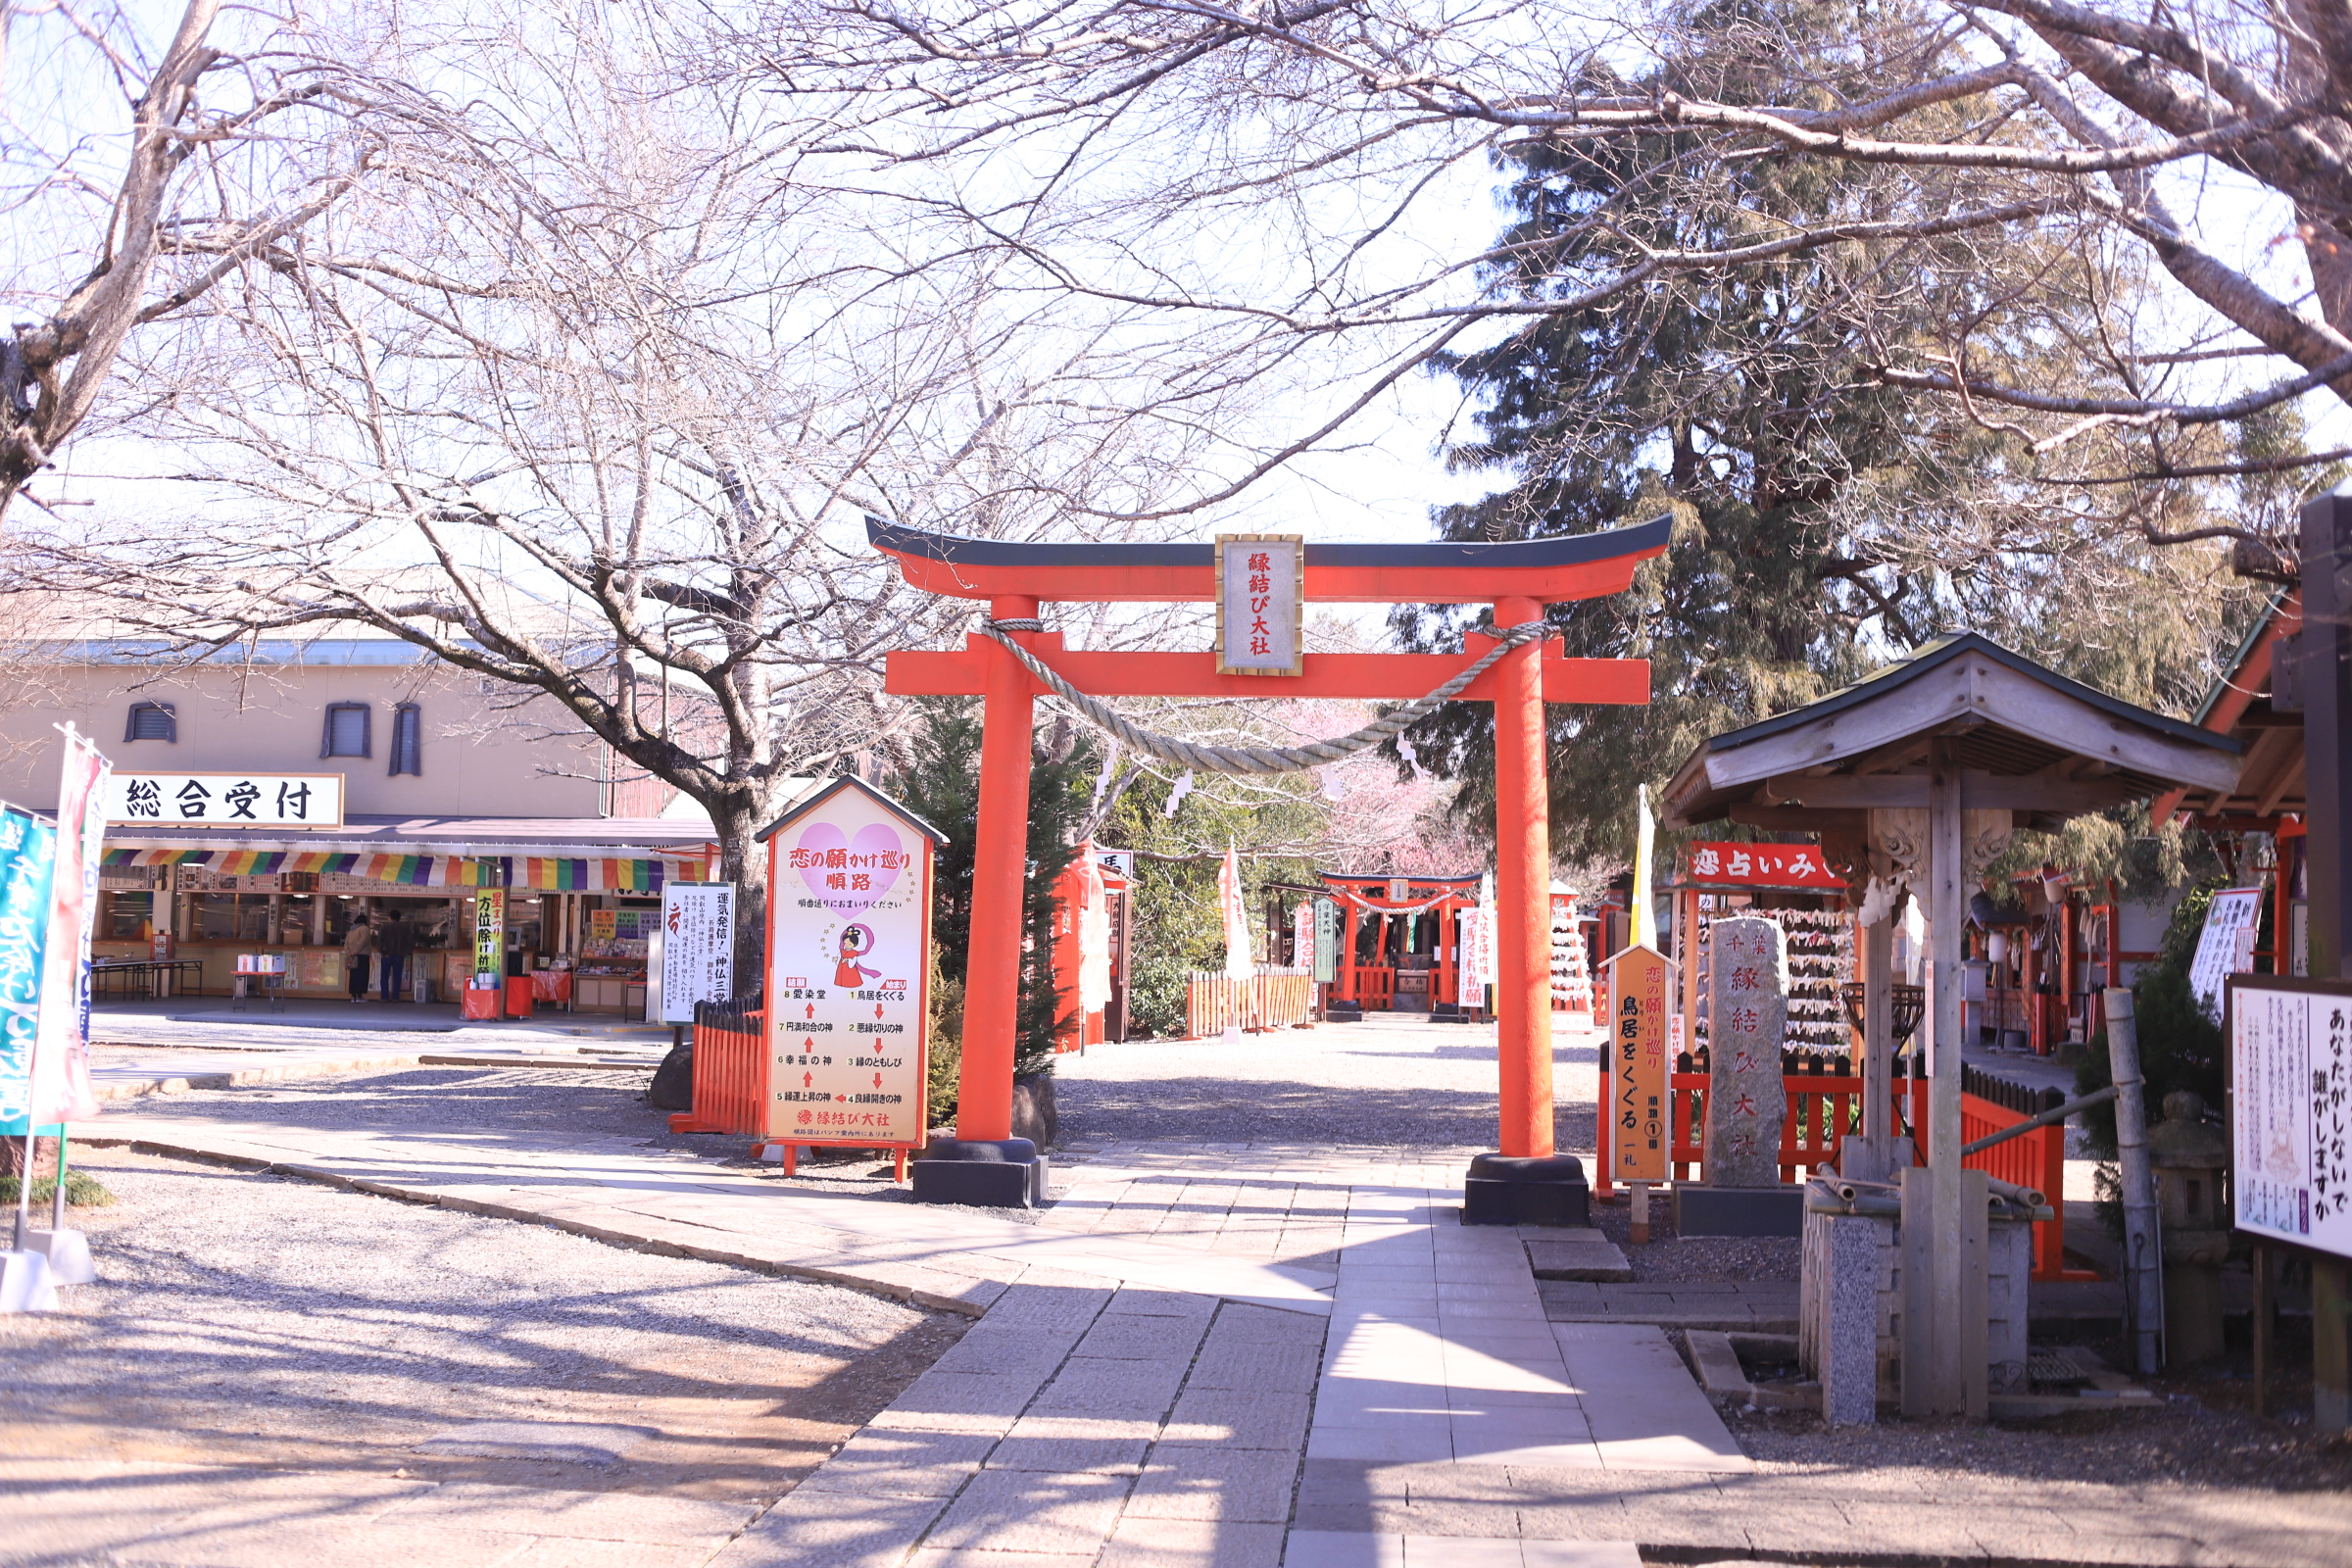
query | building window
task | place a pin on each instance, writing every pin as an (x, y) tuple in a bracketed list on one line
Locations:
[(408, 740), (152, 721), (346, 730)]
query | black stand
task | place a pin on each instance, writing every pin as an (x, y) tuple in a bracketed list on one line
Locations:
[(1513, 1190), (981, 1173)]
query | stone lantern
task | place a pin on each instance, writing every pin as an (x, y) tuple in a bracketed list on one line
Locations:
[(2189, 1154)]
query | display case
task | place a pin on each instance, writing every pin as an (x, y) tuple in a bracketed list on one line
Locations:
[(611, 977)]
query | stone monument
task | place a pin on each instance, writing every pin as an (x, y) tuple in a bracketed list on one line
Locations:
[(1748, 1011), (2190, 1154), (1746, 1016)]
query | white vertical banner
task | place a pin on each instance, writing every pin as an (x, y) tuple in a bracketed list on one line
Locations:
[(1236, 918), (60, 1054), (1261, 592), (1302, 936), (698, 946)]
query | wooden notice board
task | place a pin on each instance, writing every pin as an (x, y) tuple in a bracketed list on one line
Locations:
[(1638, 1135)]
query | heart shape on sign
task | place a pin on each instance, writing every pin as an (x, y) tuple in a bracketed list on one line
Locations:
[(860, 857)]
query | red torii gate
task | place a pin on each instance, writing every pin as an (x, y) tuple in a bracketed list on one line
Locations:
[(1517, 577)]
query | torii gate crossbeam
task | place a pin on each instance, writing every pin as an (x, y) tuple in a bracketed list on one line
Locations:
[(1518, 578)]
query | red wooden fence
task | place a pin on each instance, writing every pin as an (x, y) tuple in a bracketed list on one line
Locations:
[(1822, 1111), (730, 1079), (2035, 1160)]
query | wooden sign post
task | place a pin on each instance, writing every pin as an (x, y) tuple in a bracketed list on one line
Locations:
[(849, 965), (1638, 1137)]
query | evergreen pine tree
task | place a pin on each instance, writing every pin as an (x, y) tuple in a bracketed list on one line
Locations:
[(1734, 402), (940, 782)]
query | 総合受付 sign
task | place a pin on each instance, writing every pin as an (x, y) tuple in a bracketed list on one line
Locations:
[(224, 800)]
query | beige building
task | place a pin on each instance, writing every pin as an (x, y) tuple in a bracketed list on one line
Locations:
[(460, 799)]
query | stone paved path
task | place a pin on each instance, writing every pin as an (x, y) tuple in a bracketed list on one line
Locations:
[(1227, 1354), (1235, 1357)]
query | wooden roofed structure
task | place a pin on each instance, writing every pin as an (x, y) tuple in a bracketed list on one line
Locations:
[(1916, 778), (2024, 739)]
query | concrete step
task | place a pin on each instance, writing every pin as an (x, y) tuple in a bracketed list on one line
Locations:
[(1579, 1254)]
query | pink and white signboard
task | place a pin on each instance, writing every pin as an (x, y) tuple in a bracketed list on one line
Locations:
[(848, 940), (61, 1060)]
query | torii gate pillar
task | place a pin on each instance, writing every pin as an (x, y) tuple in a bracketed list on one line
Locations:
[(1522, 892), (991, 995)]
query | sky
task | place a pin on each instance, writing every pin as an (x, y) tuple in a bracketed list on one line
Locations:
[(1383, 482)]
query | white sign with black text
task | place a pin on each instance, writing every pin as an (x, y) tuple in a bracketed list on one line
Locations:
[(225, 799), (698, 946), (2290, 1108), (2226, 947)]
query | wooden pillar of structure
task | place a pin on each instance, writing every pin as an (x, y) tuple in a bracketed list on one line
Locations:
[(1000, 860), (2326, 683), (1521, 892)]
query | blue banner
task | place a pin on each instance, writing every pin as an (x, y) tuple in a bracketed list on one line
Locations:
[(27, 857)]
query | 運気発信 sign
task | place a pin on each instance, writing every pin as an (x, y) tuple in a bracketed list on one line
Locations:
[(698, 946), (224, 800), (1261, 588), (848, 970)]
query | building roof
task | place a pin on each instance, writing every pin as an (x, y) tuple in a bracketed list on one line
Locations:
[(809, 802), (2025, 737), (592, 838), (2240, 705)]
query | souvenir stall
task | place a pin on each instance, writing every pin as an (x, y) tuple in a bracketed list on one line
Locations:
[(544, 929), (1399, 943)]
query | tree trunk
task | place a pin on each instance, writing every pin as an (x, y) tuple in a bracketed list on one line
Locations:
[(744, 862), (44, 1157)]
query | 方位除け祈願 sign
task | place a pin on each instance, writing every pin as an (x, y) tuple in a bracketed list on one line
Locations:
[(225, 799), (848, 954), (1261, 587)]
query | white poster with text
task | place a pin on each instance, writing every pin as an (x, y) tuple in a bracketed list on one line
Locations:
[(698, 946)]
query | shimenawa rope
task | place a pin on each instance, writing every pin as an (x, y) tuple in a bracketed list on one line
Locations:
[(1259, 760)]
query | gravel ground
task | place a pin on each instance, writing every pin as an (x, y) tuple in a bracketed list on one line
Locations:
[(1669, 1260), (254, 1319), (2186, 1441), (1384, 1081), (594, 1102)]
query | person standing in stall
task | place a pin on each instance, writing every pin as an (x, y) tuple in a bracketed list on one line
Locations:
[(393, 945), (359, 943)]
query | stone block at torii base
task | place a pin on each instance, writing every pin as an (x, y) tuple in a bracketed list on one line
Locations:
[(1747, 1014)]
